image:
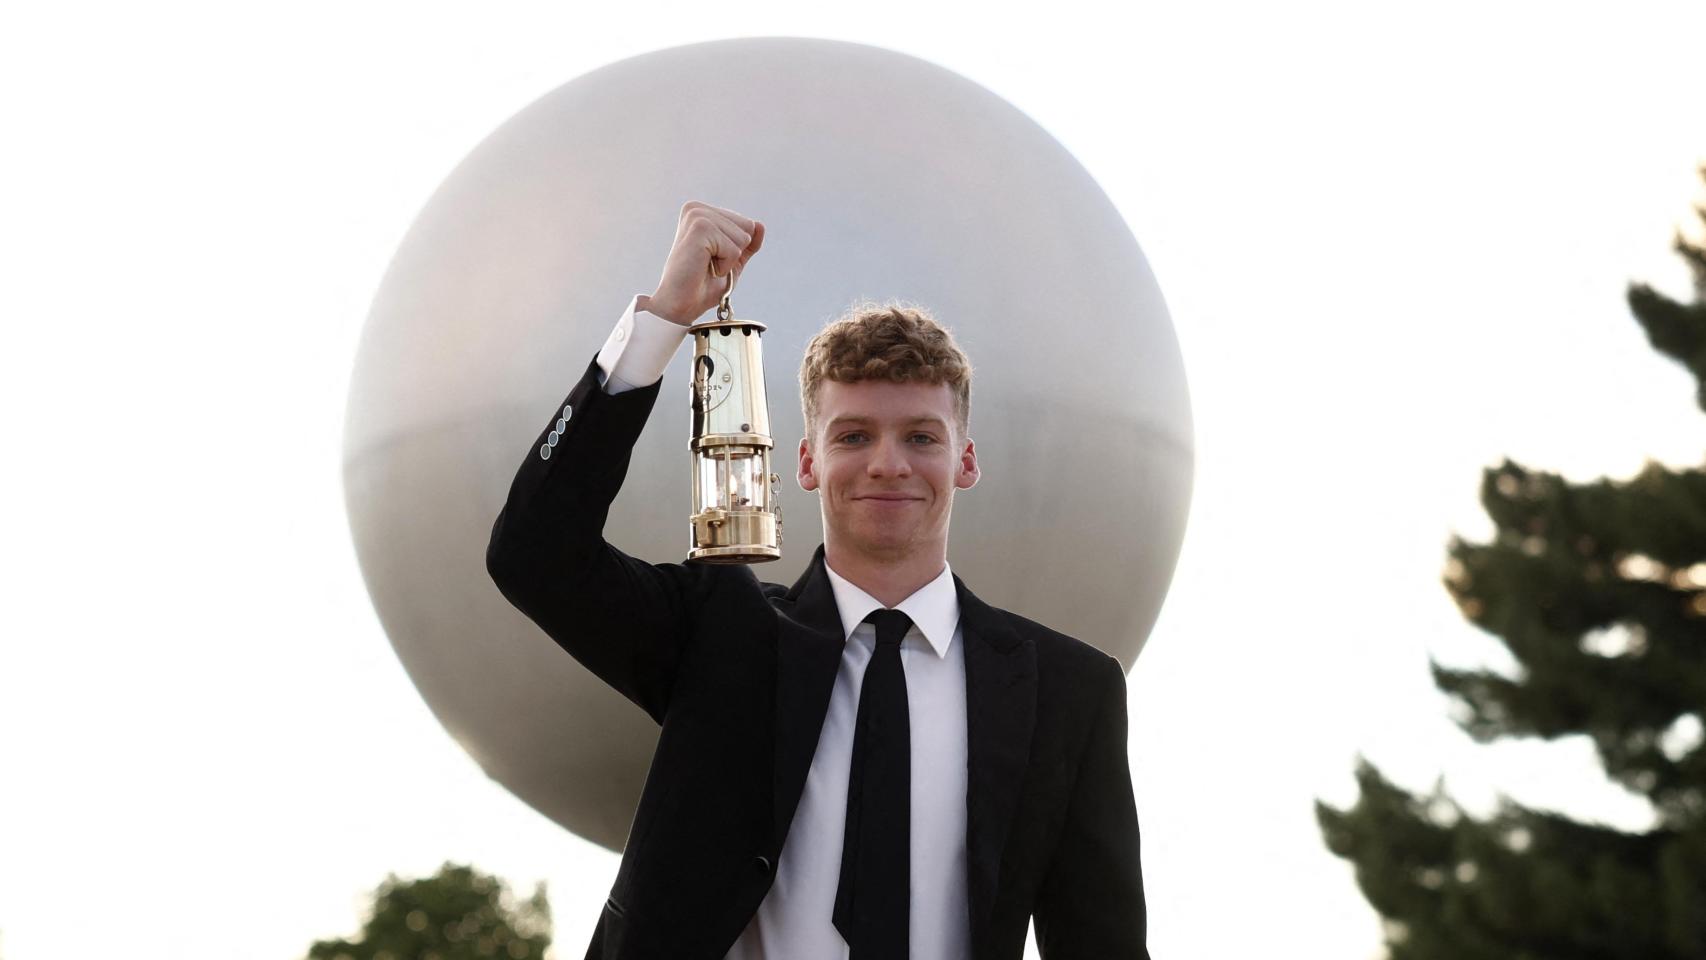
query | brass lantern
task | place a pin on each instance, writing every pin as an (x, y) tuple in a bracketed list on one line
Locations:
[(737, 511)]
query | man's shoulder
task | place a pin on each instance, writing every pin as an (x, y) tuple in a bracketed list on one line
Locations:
[(1060, 650)]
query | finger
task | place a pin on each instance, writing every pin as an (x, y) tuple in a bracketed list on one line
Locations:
[(757, 241), (707, 225), (741, 236), (726, 250), (744, 223), (715, 244), (709, 242), (723, 278), (717, 267)]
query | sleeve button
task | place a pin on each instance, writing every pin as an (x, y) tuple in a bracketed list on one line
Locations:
[(544, 451)]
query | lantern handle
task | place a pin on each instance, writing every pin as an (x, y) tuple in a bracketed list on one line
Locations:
[(724, 311)]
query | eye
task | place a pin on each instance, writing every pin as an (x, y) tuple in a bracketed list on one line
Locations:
[(852, 436), (925, 437)]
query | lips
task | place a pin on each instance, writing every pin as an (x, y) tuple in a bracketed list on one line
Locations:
[(888, 501)]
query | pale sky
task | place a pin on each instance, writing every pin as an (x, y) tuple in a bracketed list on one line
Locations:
[(1394, 240)]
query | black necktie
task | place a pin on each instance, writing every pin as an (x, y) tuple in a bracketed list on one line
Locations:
[(871, 902)]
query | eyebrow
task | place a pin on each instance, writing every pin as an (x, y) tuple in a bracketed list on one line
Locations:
[(855, 420)]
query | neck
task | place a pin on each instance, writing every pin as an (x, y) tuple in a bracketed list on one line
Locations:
[(887, 579)]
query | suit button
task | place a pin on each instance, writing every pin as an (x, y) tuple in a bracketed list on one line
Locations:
[(551, 440), (568, 410), (762, 864), (561, 424), (544, 451)]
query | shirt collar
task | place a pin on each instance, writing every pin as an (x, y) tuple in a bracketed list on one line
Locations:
[(934, 607)]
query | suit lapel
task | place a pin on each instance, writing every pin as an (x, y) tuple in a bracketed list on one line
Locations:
[(1001, 704), (1001, 708), (808, 654)]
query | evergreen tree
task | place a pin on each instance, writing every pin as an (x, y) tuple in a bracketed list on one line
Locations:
[(1599, 592), (458, 914)]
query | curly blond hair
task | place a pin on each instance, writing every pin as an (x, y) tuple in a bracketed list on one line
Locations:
[(896, 341)]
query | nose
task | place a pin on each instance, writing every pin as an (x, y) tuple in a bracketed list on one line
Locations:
[(888, 459)]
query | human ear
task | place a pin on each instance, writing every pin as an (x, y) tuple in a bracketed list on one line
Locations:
[(806, 474), (966, 478)]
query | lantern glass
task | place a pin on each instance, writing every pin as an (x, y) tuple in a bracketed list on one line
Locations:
[(732, 477)]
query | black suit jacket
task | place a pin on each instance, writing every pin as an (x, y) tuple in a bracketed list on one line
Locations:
[(738, 675)]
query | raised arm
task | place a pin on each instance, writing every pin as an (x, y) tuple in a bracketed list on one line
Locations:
[(621, 617)]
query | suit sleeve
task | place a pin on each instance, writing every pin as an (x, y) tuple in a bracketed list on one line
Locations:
[(623, 618), (1091, 904)]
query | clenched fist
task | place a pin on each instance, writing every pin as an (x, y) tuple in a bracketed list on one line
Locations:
[(709, 243)]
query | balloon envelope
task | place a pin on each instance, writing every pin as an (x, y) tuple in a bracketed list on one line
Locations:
[(877, 175)]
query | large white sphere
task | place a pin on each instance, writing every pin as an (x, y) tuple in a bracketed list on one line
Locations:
[(876, 175)]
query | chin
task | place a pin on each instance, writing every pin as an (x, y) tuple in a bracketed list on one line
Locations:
[(875, 541), (893, 544)]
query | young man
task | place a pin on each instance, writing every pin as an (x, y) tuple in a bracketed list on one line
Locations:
[(871, 764)]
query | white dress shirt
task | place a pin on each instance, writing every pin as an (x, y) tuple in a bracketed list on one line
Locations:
[(795, 921), (638, 350)]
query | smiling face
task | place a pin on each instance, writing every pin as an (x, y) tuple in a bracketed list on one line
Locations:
[(885, 459)]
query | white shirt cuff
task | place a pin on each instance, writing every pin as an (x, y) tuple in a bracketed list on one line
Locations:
[(639, 350)]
